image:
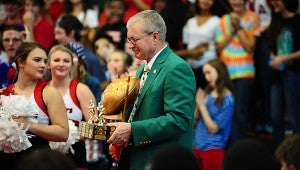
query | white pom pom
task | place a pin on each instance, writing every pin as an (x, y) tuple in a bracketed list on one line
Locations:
[(65, 146), (13, 137)]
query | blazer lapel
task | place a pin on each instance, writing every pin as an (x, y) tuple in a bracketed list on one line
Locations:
[(155, 70)]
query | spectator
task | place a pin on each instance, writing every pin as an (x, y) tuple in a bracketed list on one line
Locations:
[(53, 10), (199, 35), (288, 153), (235, 43), (118, 64), (114, 25), (175, 157), (86, 15), (12, 38), (248, 154), (35, 20), (3, 13), (46, 160), (136, 6), (79, 71), (103, 45), (216, 106), (14, 12), (283, 42), (68, 29), (261, 111), (174, 14)]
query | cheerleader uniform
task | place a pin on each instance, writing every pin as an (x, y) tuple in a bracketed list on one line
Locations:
[(75, 114), (10, 160)]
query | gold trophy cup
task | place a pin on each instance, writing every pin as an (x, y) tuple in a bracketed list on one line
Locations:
[(117, 96)]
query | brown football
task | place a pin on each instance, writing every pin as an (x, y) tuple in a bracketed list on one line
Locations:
[(114, 96)]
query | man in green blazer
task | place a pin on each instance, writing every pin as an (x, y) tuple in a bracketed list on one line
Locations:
[(164, 112)]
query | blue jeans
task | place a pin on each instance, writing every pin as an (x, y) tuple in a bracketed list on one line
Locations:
[(292, 95), (243, 89), (277, 107)]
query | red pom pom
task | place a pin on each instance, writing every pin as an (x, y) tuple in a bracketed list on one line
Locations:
[(114, 151)]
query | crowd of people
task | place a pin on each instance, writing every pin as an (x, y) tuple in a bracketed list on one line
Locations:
[(212, 71)]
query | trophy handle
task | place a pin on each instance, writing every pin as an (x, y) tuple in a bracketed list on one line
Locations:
[(126, 101)]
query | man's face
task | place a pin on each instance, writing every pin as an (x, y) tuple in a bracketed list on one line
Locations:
[(61, 36), (140, 42), (11, 41)]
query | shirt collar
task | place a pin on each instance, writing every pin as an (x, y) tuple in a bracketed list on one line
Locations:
[(154, 58)]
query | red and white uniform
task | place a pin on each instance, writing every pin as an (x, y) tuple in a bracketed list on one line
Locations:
[(42, 117), (73, 109)]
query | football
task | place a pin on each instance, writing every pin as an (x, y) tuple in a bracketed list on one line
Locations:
[(117, 92)]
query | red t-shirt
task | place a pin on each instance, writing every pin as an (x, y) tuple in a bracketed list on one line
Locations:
[(43, 33)]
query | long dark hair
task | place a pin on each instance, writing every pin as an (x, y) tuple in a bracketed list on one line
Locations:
[(223, 82), (277, 24)]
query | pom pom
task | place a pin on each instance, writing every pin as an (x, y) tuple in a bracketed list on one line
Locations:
[(64, 147), (13, 137), (114, 151)]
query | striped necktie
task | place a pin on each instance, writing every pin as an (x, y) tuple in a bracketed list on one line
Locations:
[(142, 82), (144, 75)]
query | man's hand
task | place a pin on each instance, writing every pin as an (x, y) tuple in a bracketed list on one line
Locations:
[(122, 133)]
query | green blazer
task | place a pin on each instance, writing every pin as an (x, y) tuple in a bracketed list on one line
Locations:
[(165, 109)]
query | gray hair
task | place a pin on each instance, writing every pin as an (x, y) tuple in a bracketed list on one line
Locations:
[(151, 21)]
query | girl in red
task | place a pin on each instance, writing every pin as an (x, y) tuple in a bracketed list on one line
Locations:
[(51, 122)]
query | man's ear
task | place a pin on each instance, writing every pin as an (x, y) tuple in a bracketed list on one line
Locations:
[(72, 34)]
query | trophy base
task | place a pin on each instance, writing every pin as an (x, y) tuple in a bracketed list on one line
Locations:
[(95, 131)]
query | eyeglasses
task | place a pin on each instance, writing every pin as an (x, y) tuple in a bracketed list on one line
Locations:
[(14, 40), (133, 41)]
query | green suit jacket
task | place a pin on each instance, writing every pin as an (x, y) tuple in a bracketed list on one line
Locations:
[(165, 109)]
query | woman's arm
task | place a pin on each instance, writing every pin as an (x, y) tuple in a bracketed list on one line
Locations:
[(278, 60), (58, 130), (193, 53), (86, 97), (221, 45), (247, 40)]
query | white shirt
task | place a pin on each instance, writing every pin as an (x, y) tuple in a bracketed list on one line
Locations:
[(89, 19), (194, 34)]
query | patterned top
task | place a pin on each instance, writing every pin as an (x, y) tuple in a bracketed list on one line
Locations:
[(239, 62), (222, 116)]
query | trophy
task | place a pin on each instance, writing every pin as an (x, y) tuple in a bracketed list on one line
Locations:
[(117, 96)]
